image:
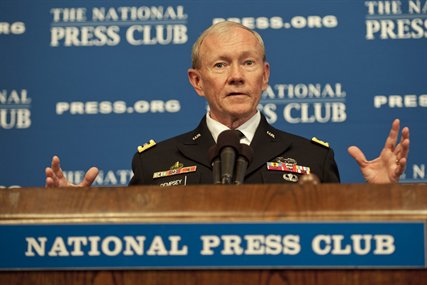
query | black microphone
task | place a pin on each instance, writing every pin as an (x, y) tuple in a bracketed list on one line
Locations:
[(216, 163), (245, 157), (228, 144)]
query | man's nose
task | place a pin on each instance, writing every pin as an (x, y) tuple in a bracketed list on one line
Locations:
[(236, 75)]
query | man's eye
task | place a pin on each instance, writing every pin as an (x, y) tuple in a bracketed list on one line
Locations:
[(219, 65), (249, 62)]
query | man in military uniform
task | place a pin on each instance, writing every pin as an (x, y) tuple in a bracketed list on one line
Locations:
[(268, 143), (229, 69)]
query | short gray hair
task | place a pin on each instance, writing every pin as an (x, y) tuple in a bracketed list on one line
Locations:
[(219, 28)]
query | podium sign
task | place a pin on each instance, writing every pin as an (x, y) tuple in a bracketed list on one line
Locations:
[(390, 244)]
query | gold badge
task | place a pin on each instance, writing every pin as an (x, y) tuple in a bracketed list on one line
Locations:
[(177, 165)]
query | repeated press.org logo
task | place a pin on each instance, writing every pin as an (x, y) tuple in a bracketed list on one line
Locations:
[(12, 28), (109, 26), (280, 23), (304, 103), (118, 107), (400, 101), (396, 20), (15, 109)]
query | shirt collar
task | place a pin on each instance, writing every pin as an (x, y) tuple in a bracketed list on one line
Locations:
[(248, 128)]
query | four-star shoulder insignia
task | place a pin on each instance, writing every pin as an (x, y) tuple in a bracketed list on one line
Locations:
[(146, 146), (316, 140)]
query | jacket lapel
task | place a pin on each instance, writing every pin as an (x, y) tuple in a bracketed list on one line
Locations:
[(197, 143), (267, 144)]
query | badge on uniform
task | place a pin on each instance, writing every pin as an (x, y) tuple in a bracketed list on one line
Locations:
[(290, 166), (294, 168), (146, 146), (316, 140), (175, 169)]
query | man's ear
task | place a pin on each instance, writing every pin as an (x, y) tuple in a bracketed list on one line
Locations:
[(196, 81), (266, 76)]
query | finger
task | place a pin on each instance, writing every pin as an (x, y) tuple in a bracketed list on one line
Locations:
[(50, 183), (51, 180), (358, 155), (401, 168), (405, 133), (392, 136), (404, 145), (405, 136), (90, 176), (56, 167)]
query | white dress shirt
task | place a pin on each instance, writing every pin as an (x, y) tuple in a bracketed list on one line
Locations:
[(248, 128)]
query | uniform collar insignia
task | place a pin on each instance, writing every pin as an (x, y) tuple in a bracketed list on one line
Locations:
[(197, 136), (271, 134)]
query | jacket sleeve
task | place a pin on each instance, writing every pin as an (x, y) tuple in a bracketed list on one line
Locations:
[(330, 169), (137, 178)]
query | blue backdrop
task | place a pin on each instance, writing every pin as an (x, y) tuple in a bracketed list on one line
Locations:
[(92, 80)]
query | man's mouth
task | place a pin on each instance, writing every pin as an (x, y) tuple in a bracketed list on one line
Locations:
[(235, 94)]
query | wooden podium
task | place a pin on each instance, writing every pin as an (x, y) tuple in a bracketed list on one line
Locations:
[(244, 203)]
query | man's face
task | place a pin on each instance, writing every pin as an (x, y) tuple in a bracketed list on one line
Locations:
[(232, 75)]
